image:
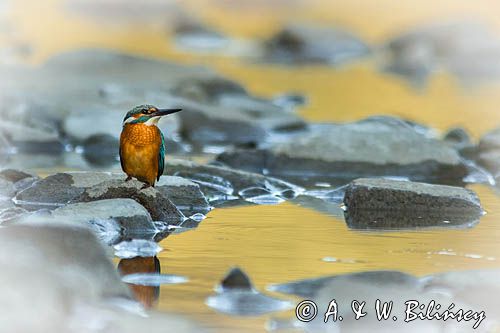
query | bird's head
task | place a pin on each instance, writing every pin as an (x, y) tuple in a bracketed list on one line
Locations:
[(146, 114)]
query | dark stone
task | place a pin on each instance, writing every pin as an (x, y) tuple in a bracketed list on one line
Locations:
[(236, 279), (458, 138), (388, 204), (101, 150)]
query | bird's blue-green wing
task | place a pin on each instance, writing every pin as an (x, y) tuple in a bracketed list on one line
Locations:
[(161, 157)]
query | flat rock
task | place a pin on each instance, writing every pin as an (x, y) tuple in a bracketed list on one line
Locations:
[(301, 44), (61, 188), (158, 205), (387, 204), (371, 147), (130, 215), (222, 183)]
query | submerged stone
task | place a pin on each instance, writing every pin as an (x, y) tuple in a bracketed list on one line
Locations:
[(342, 152), (222, 183), (387, 204), (236, 296), (300, 44)]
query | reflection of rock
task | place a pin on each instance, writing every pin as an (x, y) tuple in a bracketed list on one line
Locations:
[(467, 50), (146, 295), (309, 44), (391, 204), (221, 183), (236, 296), (372, 147)]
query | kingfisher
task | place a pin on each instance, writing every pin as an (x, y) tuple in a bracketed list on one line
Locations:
[(142, 146)]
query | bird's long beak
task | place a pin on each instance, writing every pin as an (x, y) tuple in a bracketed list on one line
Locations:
[(164, 112)]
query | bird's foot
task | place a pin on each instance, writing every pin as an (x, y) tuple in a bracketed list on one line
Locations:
[(145, 186), (128, 178)]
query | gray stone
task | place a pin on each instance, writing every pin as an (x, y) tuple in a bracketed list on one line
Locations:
[(158, 205), (130, 215), (185, 194), (301, 44), (372, 147), (390, 204), (490, 160), (458, 138), (222, 183), (490, 141)]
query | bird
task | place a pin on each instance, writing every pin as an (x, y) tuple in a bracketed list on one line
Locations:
[(142, 145)]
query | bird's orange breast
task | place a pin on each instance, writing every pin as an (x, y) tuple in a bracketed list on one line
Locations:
[(139, 151)]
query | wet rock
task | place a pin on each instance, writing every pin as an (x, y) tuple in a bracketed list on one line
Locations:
[(131, 216), (466, 49), (236, 296), (207, 89), (222, 184), (19, 179), (158, 205), (388, 204), (340, 152), (300, 44), (7, 189), (185, 194)]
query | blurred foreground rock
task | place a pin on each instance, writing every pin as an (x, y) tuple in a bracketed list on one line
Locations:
[(76, 285), (398, 288)]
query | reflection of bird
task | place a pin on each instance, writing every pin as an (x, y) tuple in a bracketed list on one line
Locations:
[(142, 147)]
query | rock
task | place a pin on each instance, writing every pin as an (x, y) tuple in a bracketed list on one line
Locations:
[(71, 253), (236, 296), (19, 180), (300, 44), (131, 216), (387, 204), (194, 36), (77, 287), (185, 194), (101, 150), (7, 189), (137, 248), (490, 160), (467, 50), (490, 141), (222, 184), (340, 152), (458, 138), (207, 89), (204, 124), (158, 205)]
